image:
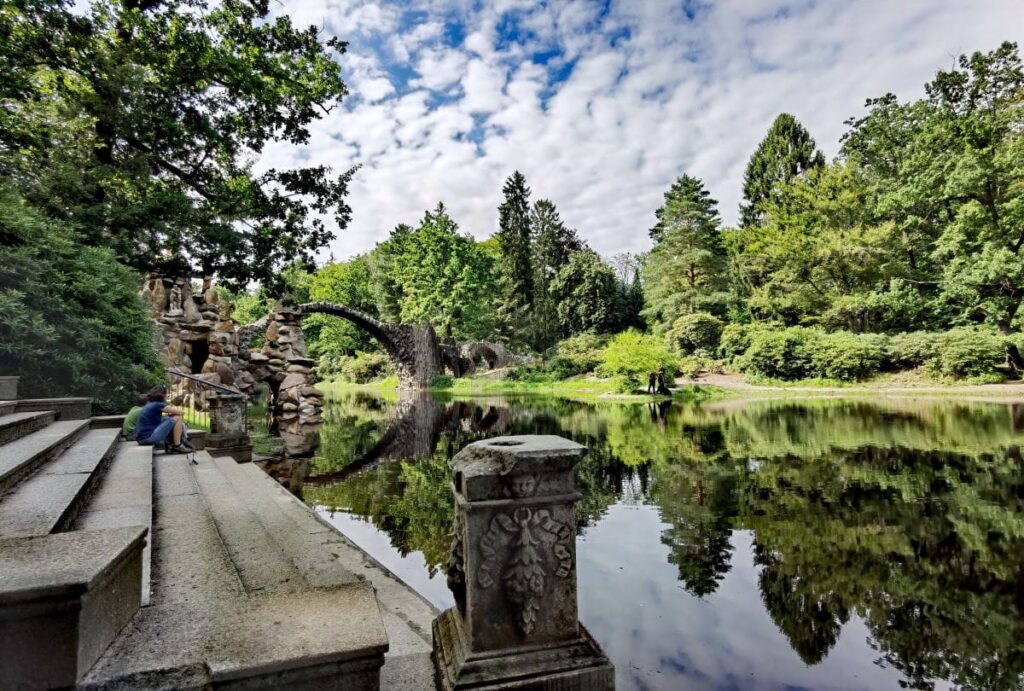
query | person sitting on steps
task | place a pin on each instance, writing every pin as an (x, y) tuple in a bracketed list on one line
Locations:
[(132, 418), (158, 421)]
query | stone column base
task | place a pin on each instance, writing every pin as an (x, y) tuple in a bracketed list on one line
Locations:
[(576, 664)]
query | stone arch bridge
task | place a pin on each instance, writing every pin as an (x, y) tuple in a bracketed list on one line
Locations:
[(415, 351)]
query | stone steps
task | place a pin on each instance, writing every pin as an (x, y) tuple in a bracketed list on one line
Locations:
[(231, 605), (65, 408), (14, 426), (63, 599), (21, 456), (124, 498), (49, 500)]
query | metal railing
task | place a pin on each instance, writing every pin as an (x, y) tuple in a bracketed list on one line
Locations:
[(192, 394)]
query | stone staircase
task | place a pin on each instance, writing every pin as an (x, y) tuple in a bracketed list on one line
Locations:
[(122, 568)]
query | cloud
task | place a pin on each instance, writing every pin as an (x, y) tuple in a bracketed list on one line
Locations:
[(602, 106)]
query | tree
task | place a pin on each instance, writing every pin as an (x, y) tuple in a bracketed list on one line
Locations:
[(71, 323), (960, 170), (514, 239), (435, 274), (786, 152), (345, 283), (586, 295), (138, 122), (553, 245), (686, 270)]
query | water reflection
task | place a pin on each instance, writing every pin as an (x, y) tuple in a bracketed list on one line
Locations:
[(822, 544)]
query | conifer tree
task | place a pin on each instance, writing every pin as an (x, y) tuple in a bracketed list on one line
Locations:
[(553, 245), (516, 263), (786, 152)]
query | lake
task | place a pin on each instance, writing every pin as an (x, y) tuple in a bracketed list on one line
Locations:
[(771, 544)]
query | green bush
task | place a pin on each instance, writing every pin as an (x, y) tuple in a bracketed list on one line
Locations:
[(71, 322), (734, 341), (846, 356), (633, 355), (363, 368), (968, 352), (555, 369), (910, 350), (779, 353), (581, 352), (697, 331)]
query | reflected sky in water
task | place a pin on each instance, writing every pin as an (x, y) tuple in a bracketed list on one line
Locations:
[(775, 545)]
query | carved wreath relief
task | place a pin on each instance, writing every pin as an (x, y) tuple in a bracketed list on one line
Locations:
[(522, 568)]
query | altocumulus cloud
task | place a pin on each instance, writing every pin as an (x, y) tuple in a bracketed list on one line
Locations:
[(603, 104)]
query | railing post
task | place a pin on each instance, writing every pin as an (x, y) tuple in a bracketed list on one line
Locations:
[(228, 435), (513, 572)]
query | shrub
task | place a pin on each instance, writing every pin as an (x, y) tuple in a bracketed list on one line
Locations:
[(583, 351), (361, 369), (734, 341), (910, 350), (555, 369), (633, 355), (846, 356), (779, 353), (697, 331), (968, 352)]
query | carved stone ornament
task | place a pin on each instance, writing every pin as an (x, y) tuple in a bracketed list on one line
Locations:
[(521, 566)]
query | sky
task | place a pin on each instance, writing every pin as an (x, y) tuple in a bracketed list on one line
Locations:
[(601, 105)]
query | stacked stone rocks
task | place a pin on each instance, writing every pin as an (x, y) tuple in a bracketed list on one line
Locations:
[(179, 322), (298, 404)]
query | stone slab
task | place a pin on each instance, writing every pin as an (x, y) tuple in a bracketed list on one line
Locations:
[(8, 388), (17, 425), (66, 408), (256, 639), (260, 563), (8, 407), (64, 598), (107, 421), (21, 456), (125, 498), (51, 499)]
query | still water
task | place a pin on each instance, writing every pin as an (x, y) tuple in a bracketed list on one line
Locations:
[(818, 544)]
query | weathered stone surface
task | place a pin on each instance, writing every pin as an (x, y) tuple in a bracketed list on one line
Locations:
[(8, 388), (24, 455), (513, 571), (63, 599), (293, 380)]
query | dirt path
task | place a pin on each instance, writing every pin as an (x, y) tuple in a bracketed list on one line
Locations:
[(1013, 391)]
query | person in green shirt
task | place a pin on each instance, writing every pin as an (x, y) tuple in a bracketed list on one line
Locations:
[(128, 427)]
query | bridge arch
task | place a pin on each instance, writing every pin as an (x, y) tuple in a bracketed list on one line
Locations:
[(413, 348)]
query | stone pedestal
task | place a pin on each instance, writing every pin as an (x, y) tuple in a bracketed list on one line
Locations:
[(513, 572), (228, 436), (8, 388)]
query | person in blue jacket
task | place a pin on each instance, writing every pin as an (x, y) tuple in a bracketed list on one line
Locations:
[(159, 423)]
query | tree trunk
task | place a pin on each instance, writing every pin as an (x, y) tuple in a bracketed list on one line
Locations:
[(1013, 356)]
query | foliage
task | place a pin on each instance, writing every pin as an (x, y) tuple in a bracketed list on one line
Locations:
[(434, 273), (345, 283), (686, 270), (71, 323), (968, 353), (138, 122), (634, 355), (586, 293), (786, 152), (697, 331), (778, 353), (734, 341), (553, 245), (910, 350), (361, 368), (586, 349), (516, 267), (846, 356)]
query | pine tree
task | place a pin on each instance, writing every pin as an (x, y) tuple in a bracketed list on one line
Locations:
[(553, 244), (516, 263), (686, 270), (786, 152)]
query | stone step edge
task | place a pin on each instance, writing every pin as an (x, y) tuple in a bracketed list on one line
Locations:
[(14, 426), (10, 479), (124, 453), (81, 499)]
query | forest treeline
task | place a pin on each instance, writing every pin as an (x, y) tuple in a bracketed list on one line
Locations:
[(903, 252), (128, 132)]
